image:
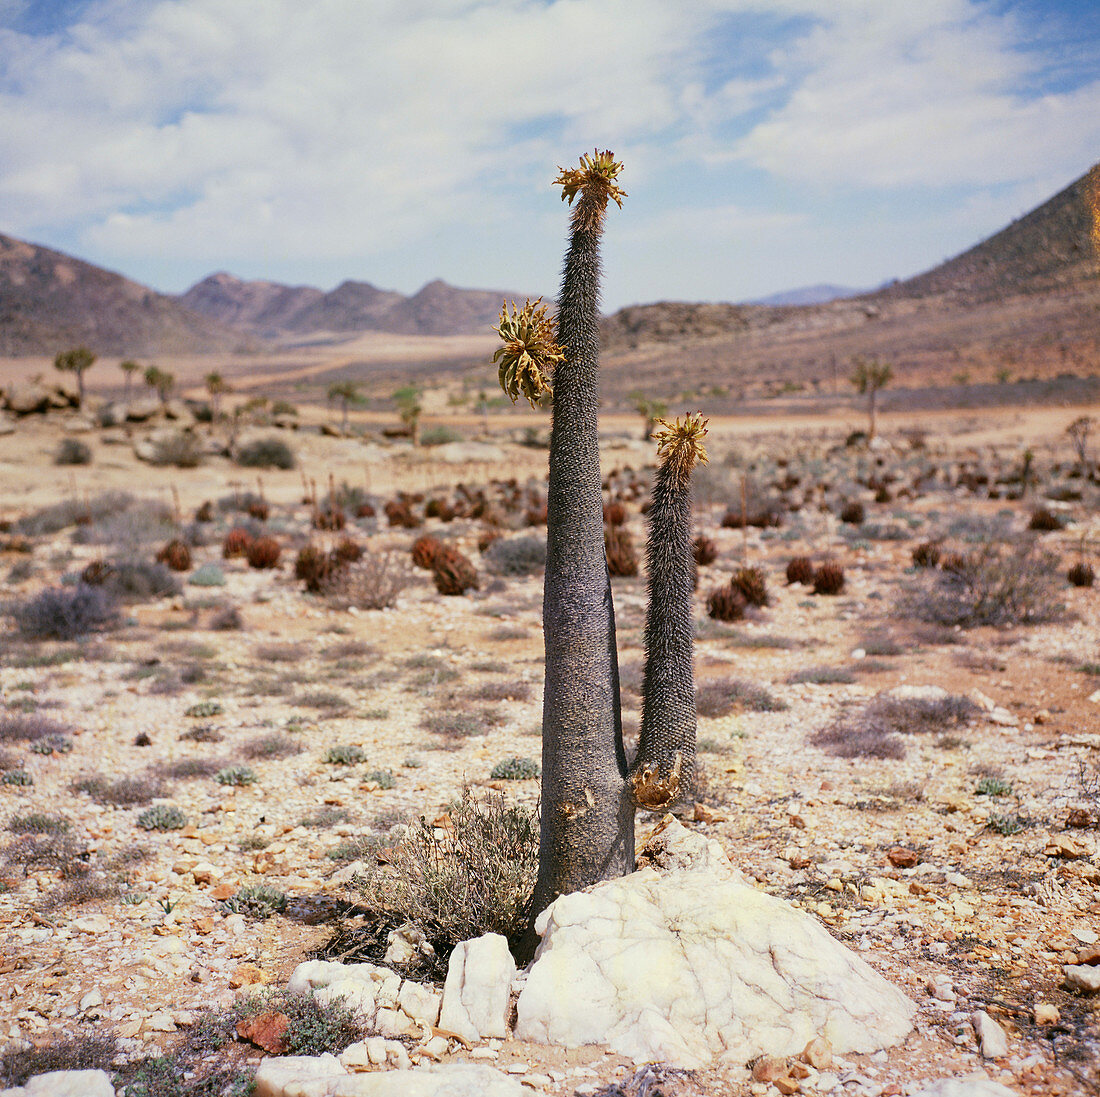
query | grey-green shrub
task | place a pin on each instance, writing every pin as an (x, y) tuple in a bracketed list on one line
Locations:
[(162, 817), (516, 769)]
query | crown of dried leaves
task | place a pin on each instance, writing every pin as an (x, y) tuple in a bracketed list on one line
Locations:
[(594, 180), (529, 352), (1092, 198), (680, 444)]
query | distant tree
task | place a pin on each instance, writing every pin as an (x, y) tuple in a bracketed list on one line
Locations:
[(78, 360), (409, 408), (216, 386), (128, 367), (160, 381), (869, 375), (348, 393), (650, 409), (1078, 432)]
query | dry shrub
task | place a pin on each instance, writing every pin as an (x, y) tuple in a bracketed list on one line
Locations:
[(1044, 520), (18, 1064), (721, 696), (347, 551), (876, 729), (996, 585), (800, 570), (176, 555), (453, 573), (705, 550), (926, 555), (399, 514), (315, 567), (614, 513), (364, 510), (330, 517), (622, 558), (236, 542), (829, 578), (1081, 574), (726, 604), (425, 550), (471, 877), (374, 582), (30, 727), (516, 555), (123, 792), (852, 513), (263, 553), (65, 613), (752, 584)]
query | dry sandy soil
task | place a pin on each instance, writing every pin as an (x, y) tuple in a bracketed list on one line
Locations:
[(990, 896)]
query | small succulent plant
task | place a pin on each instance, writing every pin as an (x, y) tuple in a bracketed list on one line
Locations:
[(235, 776), (346, 755), (515, 769), (256, 901), (162, 817)]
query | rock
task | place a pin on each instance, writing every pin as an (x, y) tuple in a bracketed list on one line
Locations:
[(1046, 1014), (90, 1000), (138, 411), (693, 966), (818, 1053), (919, 693), (296, 1077), (403, 944), (900, 857), (991, 1037), (7, 424), (178, 410), (973, 1085), (65, 1083), (475, 996), (421, 1003), (1090, 955), (1082, 977), (364, 987), (27, 397)]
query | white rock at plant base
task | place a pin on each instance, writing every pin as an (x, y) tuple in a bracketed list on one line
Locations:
[(693, 966), (273, 1079), (973, 1085), (363, 987), (991, 1037), (476, 994), (1082, 977), (65, 1083)]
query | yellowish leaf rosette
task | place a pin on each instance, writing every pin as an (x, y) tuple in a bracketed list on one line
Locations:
[(529, 353)]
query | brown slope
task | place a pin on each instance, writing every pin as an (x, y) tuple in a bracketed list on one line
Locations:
[(50, 301), (1023, 302)]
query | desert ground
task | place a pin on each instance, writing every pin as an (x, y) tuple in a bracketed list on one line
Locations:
[(914, 763)]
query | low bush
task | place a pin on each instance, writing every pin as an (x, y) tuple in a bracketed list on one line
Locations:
[(425, 549), (348, 755), (475, 877), (256, 901), (829, 578), (1043, 520), (209, 575), (726, 604), (705, 550), (263, 553), (235, 776), (926, 555), (752, 584), (72, 451), (801, 570), (516, 769), (30, 727), (822, 676), (176, 555), (622, 557), (373, 582), (236, 542), (65, 613), (852, 513), (721, 696), (265, 453), (453, 573), (85, 1052), (71, 512), (182, 449), (122, 792), (995, 585), (1081, 574), (516, 556), (162, 817), (141, 581)]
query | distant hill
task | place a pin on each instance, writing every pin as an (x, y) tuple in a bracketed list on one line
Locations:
[(50, 302), (1022, 303), (808, 295), (268, 309)]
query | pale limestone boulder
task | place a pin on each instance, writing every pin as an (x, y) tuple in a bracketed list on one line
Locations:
[(296, 1079), (27, 397), (65, 1083), (7, 424), (476, 993), (693, 966), (138, 411), (364, 987), (421, 1003)]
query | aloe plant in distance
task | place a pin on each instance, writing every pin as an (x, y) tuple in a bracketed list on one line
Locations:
[(587, 827), (663, 771)]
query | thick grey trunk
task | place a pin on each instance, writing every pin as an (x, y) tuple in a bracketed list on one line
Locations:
[(587, 830)]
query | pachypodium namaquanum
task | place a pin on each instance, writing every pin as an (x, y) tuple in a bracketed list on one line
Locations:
[(588, 795)]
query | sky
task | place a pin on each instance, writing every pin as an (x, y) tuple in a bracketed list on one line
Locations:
[(768, 144)]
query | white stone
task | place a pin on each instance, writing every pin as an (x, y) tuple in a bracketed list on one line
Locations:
[(421, 1003), (475, 996), (918, 693), (363, 987), (395, 1022), (694, 966), (65, 1083), (973, 1085), (296, 1077), (90, 1000), (406, 944), (991, 1037), (1083, 977)]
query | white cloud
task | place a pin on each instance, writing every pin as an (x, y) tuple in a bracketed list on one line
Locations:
[(181, 135)]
